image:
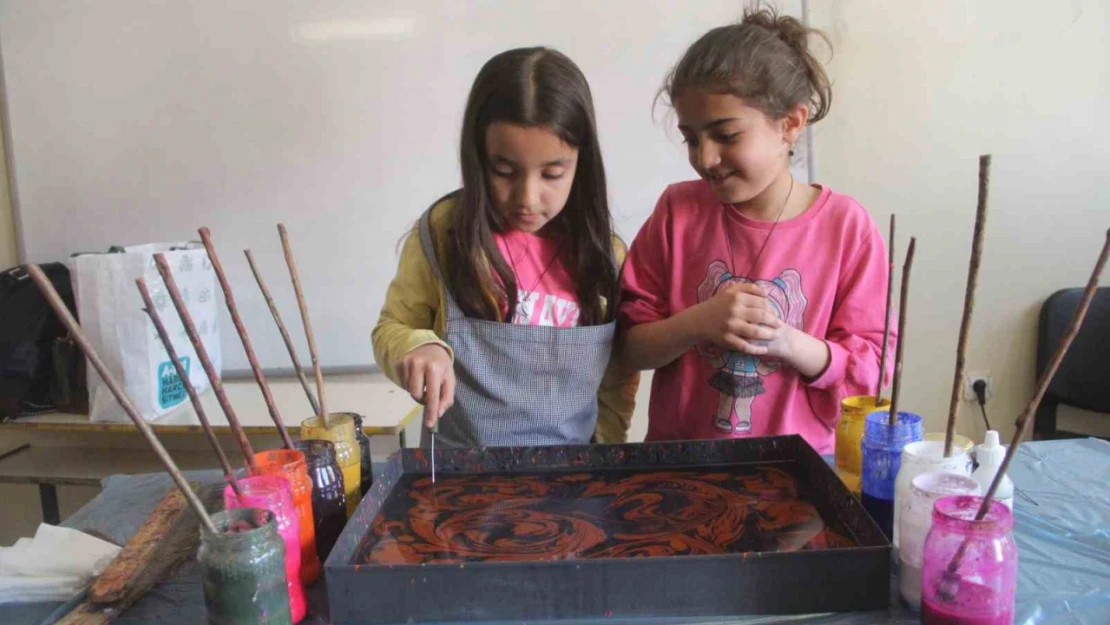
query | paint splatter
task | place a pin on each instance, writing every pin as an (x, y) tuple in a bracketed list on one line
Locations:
[(602, 514)]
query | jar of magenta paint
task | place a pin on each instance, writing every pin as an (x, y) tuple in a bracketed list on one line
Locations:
[(979, 590), (242, 569), (273, 493)]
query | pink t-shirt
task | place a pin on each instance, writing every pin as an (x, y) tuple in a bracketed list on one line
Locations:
[(826, 273), (545, 290)]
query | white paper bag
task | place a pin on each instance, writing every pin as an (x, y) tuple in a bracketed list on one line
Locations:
[(110, 310)]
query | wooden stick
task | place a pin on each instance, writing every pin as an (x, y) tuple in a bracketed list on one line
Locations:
[(1026, 418), (138, 569), (75, 331), (237, 321), (183, 375), (284, 333), (128, 566), (969, 300), (202, 356), (322, 409), (903, 307), (886, 320)]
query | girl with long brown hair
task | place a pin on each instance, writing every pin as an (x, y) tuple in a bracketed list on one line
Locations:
[(500, 319)]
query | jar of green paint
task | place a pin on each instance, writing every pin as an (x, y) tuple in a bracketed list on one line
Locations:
[(243, 569)]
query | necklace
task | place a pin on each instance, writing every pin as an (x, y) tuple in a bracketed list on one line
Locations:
[(728, 236)]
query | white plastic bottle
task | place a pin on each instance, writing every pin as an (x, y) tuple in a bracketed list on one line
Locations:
[(990, 455)]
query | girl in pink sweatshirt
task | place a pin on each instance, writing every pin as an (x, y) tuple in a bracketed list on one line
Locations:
[(758, 299)]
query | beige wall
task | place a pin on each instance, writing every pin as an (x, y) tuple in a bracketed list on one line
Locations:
[(921, 89), (9, 253)]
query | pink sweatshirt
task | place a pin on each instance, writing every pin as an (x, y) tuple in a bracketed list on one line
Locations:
[(826, 272)]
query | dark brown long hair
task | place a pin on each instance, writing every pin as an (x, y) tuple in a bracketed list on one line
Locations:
[(765, 60), (531, 87)]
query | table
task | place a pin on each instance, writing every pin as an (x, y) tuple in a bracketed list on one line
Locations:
[(386, 410), (384, 406), (1061, 510)]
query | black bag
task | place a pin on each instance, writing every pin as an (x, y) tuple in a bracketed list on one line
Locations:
[(30, 336)]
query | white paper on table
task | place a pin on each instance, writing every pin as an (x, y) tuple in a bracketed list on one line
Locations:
[(53, 566)]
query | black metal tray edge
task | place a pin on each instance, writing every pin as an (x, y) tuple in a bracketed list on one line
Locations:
[(869, 570), (795, 583)]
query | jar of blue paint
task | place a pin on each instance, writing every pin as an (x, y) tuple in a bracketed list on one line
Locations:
[(881, 448)]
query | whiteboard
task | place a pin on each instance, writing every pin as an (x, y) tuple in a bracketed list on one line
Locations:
[(139, 120)]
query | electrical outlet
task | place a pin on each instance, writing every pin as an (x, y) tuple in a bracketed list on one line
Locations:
[(971, 378)]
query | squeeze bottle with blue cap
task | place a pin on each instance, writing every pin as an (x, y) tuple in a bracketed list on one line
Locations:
[(990, 455)]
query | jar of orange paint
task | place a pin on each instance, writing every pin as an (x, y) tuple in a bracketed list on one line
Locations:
[(290, 464)]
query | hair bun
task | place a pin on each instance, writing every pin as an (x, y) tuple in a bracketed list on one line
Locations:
[(791, 30), (765, 59)]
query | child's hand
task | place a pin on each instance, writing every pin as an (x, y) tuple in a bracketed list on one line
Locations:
[(428, 375), (739, 318)]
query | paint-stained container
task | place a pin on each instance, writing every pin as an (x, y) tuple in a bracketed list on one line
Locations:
[(980, 590), (958, 441), (242, 569), (329, 498), (272, 492), (916, 519), (922, 457), (347, 452), (882, 458), (849, 434), (364, 448), (290, 464)]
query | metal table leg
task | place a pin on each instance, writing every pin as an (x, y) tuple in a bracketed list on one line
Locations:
[(48, 497)]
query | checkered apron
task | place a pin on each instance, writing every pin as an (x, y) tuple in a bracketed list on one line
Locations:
[(518, 384)]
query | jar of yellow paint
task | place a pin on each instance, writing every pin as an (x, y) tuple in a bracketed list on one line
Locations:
[(849, 433)]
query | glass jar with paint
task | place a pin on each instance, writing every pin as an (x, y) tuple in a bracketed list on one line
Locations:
[(273, 493), (922, 457), (882, 458), (290, 464), (365, 461), (980, 590), (958, 441), (347, 452), (916, 519), (242, 569), (849, 434), (329, 499)]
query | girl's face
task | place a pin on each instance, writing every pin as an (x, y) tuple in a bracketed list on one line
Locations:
[(733, 146), (529, 172)]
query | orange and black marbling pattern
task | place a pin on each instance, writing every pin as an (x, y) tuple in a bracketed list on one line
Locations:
[(602, 514)]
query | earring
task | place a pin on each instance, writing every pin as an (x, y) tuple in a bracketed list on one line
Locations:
[(791, 152)]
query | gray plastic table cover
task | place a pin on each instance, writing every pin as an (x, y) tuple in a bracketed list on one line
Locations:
[(1062, 529)]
